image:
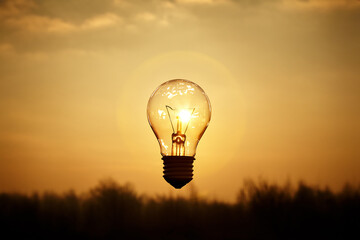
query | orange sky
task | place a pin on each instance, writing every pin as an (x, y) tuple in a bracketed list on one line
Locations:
[(75, 78)]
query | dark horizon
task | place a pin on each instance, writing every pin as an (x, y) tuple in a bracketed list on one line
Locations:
[(111, 210)]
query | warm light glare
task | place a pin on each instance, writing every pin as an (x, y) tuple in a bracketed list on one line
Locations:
[(184, 116)]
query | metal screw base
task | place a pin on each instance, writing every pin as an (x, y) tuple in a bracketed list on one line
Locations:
[(178, 170)]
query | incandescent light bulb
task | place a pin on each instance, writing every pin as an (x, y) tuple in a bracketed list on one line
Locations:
[(179, 112)]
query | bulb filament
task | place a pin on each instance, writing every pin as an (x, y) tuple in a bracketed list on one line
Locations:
[(183, 118)]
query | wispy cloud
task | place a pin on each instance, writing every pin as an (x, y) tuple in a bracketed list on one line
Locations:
[(35, 23), (6, 47), (100, 21), (38, 23), (25, 20), (15, 7), (208, 2), (29, 16), (146, 16), (35, 16), (321, 4)]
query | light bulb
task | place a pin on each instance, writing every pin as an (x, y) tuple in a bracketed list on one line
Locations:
[(178, 112)]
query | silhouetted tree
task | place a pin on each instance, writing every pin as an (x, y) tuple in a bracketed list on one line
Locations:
[(114, 211)]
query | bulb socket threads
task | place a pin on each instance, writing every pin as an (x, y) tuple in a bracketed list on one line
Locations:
[(178, 170)]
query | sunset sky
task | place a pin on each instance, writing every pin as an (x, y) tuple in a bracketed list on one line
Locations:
[(283, 78)]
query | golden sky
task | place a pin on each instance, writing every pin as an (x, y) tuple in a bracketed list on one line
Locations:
[(75, 78)]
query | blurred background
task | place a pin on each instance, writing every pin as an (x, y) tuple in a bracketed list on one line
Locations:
[(75, 78)]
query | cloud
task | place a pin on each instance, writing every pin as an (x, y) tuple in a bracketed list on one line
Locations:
[(146, 16), (321, 4), (6, 47), (100, 21), (59, 17), (6, 50), (35, 23), (208, 2), (53, 16), (53, 25), (298, 4), (15, 7)]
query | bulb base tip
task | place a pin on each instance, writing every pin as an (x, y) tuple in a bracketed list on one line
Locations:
[(178, 170)]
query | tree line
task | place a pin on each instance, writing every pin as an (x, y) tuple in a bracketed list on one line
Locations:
[(116, 211)]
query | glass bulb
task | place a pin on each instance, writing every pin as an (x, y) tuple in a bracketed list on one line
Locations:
[(179, 112)]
